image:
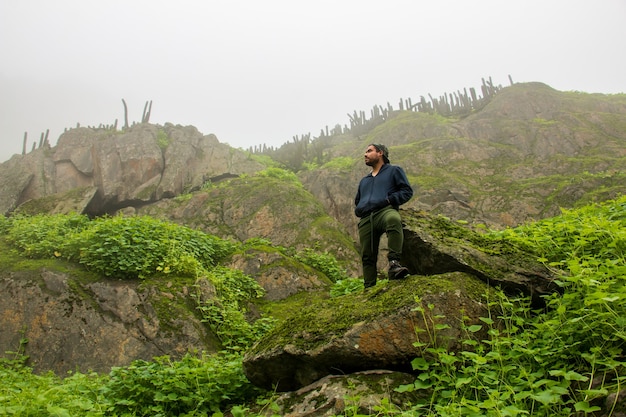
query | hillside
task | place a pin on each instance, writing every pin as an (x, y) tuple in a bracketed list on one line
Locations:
[(286, 214), (523, 155), (526, 154)]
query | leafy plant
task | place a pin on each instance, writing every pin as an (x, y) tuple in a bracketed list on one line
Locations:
[(44, 236), (226, 313), (281, 174), (124, 247), (23, 393), (341, 163), (346, 286), (193, 386), (556, 362), (323, 262), (162, 139)]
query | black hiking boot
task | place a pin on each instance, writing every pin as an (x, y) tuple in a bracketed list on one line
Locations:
[(397, 271)]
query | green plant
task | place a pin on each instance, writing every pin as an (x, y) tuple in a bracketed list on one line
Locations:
[(346, 286), (555, 362), (5, 224), (162, 139), (193, 386), (281, 174), (131, 247), (23, 393), (123, 247), (342, 163), (45, 236), (226, 313), (323, 262)]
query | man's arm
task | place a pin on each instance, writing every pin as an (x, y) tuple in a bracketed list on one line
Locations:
[(402, 191)]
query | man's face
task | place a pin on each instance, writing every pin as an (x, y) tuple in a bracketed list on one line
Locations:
[(372, 156)]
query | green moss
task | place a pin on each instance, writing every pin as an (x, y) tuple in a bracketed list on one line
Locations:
[(162, 139), (321, 318), (341, 164), (292, 305), (148, 192), (168, 301), (50, 202)]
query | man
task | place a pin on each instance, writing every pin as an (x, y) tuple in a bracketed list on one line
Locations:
[(378, 198)]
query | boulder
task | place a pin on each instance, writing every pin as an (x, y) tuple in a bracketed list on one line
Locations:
[(368, 330), (360, 393), (265, 208), (279, 277), (435, 245), (73, 323)]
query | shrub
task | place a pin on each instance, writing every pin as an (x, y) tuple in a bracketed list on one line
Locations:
[(281, 174), (45, 236), (130, 247), (562, 361), (323, 262), (226, 314), (195, 385)]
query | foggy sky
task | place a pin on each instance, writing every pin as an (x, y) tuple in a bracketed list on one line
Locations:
[(254, 72)]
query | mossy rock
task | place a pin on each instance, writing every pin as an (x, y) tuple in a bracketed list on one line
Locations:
[(369, 330)]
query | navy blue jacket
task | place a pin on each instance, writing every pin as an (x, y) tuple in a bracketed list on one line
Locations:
[(390, 187)]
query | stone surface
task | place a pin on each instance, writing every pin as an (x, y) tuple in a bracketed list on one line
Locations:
[(93, 326), (278, 277), (371, 330), (141, 164), (435, 245), (360, 392)]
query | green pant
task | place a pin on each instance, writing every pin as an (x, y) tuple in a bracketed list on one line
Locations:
[(371, 229)]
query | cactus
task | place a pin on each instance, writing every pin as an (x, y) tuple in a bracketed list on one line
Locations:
[(125, 114), (147, 109)]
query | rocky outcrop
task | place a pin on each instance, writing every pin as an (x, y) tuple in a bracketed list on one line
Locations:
[(531, 151), (73, 320), (258, 207), (73, 323), (434, 245), (360, 393), (526, 154), (453, 271), (365, 331), (129, 168), (279, 276)]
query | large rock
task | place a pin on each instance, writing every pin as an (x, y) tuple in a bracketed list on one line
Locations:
[(364, 331), (435, 245), (279, 276), (129, 168), (260, 207), (72, 323), (360, 392)]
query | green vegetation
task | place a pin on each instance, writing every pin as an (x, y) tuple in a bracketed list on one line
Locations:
[(162, 139), (281, 174), (556, 362), (559, 361), (323, 262), (121, 247), (130, 248), (194, 386), (341, 163)]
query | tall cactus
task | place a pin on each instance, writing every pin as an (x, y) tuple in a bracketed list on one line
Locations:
[(125, 114)]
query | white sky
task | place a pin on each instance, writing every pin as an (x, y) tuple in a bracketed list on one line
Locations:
[(262, 71)]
